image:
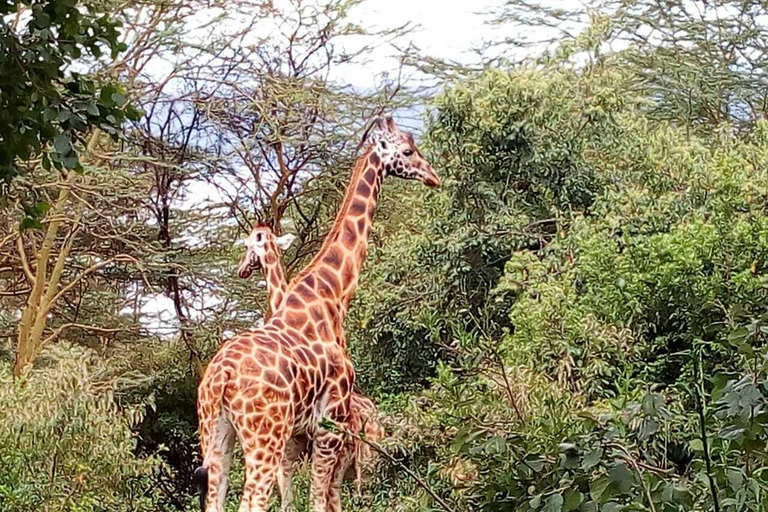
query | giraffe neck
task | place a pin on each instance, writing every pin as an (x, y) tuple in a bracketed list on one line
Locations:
[(274, 276), (331, 277)]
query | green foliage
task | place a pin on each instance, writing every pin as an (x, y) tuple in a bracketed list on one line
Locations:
[(42, 101), (508, 180), (615, 361), (66, 443)]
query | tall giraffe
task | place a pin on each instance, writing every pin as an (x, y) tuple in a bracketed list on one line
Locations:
[(262, 254), (285, 378)]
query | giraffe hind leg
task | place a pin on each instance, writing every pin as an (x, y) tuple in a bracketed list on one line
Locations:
[(291, 454), (215, 470), (262, 450), (327, 455)]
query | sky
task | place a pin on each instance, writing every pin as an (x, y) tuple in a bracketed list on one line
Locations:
[(442, 28)]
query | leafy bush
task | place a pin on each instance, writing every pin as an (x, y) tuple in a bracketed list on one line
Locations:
[(67, 444)]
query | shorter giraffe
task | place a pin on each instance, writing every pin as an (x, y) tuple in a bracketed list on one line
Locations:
[(262, 254)]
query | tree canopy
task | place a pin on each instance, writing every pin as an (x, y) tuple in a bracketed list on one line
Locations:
[(576, 320)]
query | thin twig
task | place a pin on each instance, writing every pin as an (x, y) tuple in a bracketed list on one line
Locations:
[(421, 483)]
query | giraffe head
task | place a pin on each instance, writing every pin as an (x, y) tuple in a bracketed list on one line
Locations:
[(259, 244), (399, 155)]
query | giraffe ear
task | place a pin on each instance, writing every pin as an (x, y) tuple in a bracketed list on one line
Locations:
[(285, 241)]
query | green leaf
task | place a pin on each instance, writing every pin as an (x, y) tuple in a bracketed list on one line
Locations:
[(735, 479), (611, 506), (62, 144), (29, 223), (696, 445), (573, 499), (71, 161), (620, 475), (554, 503), (119, 99), (592, 458)]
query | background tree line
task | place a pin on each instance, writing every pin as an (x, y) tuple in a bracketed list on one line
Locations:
[(576, 321)]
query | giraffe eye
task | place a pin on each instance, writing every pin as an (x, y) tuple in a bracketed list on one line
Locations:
[(408, 152)]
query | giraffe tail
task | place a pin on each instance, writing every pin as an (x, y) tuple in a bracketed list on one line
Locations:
[(201, 480)]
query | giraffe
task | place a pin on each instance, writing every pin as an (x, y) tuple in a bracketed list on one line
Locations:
[(287, 377), (262, 254)]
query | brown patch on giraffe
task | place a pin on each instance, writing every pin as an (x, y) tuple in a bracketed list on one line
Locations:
[(333, 258), (348, 274), (361, 224), (301, 356), (293, 302), (295, 319), (323, 366), (369, 176), (317, 313), (309, 331), (271, 258), (324, 332), (361, 251), (325, 291), (268, 343), (310, 281), (274, 379), (363, 189), (286, 369), (311, 395), (240, 344), (318, 349), (349, 235), (357, 207), (344, 385), (374, 159), (266, 425), (305, 292), (331, 280), (265, 358), (310, 356)]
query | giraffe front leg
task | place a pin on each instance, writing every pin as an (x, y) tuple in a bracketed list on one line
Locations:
[(327, 454)]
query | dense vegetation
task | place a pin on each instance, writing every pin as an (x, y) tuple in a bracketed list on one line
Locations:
[(576, 320)]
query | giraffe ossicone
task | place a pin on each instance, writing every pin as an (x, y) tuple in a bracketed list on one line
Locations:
[(269, 385)]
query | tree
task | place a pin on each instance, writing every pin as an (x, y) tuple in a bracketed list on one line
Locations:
[(42, 101), (701, 64)]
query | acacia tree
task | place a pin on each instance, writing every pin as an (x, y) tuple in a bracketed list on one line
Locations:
[(701, 64), (288, 128)]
